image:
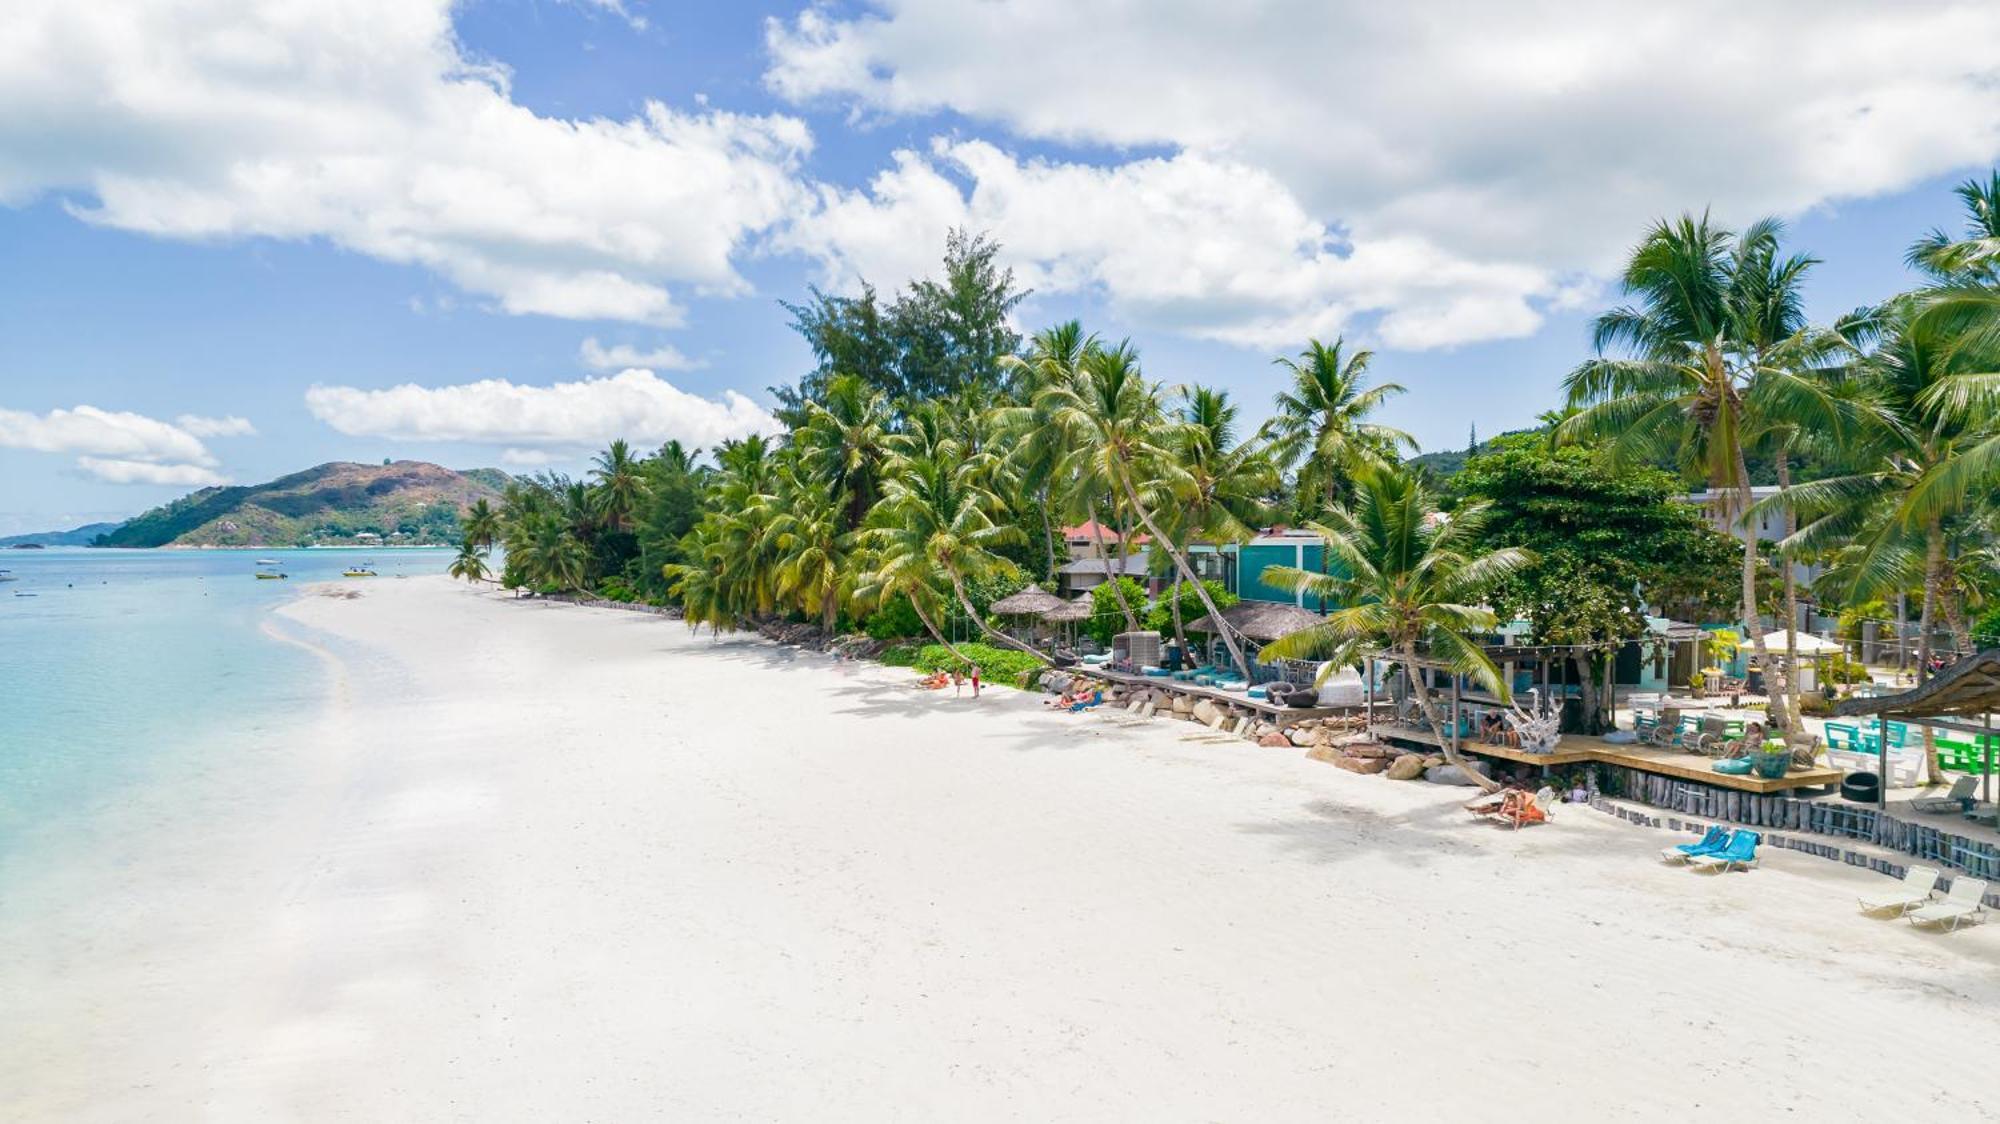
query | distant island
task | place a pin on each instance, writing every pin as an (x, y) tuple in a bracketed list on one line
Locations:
[(403, 503), (81, 536)]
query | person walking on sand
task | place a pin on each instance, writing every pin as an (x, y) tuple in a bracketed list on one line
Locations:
[(975, 681), (957, 684)]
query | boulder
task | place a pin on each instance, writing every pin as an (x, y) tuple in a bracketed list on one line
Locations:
[(1368, 749), (1205, 711), (1451, 774), (1406, 768), (1275, 741), (1183, 704), (1363, 765), (1299, 737), (1433, 760), (1324, 753)]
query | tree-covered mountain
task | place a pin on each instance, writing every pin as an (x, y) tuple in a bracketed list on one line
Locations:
[(403, 503)]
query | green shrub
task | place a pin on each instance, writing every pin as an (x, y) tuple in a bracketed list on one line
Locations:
[(1105, 620), (895, 620), (615, 588), (996, 665), (1161, 617)]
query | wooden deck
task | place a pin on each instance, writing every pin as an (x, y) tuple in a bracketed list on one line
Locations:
[(1578, 748)]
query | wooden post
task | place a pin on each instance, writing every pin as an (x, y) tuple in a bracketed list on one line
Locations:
[(1986, 777), (1368, 683), (1882, 755), (1454, 714)]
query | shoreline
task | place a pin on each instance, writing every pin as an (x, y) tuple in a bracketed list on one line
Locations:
[(584, 864)]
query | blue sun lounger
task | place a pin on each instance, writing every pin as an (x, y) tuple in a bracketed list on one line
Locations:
[(1710, 843), (1741, 851)]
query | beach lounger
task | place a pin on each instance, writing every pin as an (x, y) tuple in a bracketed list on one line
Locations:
[(1962, 790), (1963, 904), (1711, 842), (1913, 891), (1740, 851)]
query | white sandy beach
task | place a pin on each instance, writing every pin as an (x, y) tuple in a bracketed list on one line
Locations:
[(546, 863)]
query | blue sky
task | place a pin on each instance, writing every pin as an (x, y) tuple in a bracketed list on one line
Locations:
[(425, 210)]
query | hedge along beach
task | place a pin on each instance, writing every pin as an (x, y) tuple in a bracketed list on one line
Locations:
[(543, 860)]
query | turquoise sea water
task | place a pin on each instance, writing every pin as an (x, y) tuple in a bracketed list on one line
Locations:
[(125, 665)]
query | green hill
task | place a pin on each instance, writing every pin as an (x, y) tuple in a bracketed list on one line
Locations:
[(407, 503)]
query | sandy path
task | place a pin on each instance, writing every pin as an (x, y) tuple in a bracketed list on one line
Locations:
[(552, 863)]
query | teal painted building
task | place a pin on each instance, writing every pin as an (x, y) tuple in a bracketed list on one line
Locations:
[(1245, 565)]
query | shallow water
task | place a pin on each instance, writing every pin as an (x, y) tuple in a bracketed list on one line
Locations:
[(133, 665)]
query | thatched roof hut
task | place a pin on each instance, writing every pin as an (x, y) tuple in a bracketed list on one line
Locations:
[(1068, 611), (1030, 602), (1260, 620)]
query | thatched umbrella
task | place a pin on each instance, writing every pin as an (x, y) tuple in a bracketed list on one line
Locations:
[(1070, 613), (1260, 620), (1030, 602)]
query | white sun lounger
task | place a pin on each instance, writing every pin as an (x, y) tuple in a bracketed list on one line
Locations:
[(1914, 890), (1962, 789), (1963, 904)]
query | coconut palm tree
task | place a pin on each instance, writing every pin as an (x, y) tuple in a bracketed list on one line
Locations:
[(481, 524), (845, 440), (1410, 582), (470, 563), (809, 547), (1055, 358), (937, 519), (1705, 369), (1323, 417), (1121, 438), (1226, 494), (619, 485)]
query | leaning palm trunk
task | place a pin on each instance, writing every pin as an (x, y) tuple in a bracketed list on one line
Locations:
[(994, 634), (1926, 623), (1776, 679), (1791, 526), (1104, 556), (1180, 630), (1422, 694), (1951, 597), (1187, 571), (937, 633)]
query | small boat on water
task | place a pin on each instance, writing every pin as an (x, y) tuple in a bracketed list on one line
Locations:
[(365, 570), (8, 576), (267, 570)]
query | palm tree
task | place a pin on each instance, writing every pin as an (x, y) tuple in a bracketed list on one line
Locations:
[(1323, 417), (810, 548), (481, 524), (1225, 496), (1055, 358), (937, 518), (1709, 366), (1411, 583), (1973, 258), (1120, 436), (620, 485), (470, 564), (845, 440)]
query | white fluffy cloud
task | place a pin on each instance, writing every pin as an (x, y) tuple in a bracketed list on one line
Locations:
[(1477, 162), (1208, 246), (619, 356), (121, 447), (364, 123), (231, 426), (113, 471), (636, 404)]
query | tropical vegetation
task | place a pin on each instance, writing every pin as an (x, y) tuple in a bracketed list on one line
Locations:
[(927, 464)]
